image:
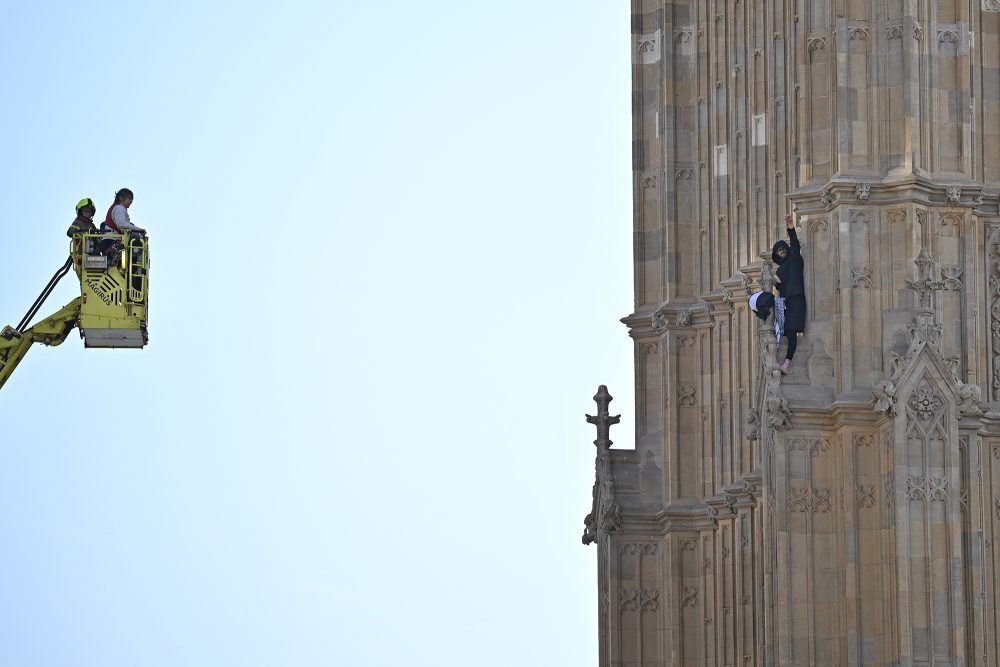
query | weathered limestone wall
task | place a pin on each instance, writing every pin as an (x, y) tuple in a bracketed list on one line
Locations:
[(846, 513)]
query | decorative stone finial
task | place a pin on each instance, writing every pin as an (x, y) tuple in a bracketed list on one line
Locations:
[(925, 285), (603, 421)]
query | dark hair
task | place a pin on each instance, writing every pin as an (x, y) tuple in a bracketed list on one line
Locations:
[(122, 195)]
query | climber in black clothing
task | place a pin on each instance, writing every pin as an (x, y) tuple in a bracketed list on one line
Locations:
[(791, 287)]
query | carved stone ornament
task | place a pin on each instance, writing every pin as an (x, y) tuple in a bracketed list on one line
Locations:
[(639, 549), (686, 395), (659, 320), (809, 445), (829, 197), (991, 5), (861, 276), (730, 502), (954, 192), (685, 341), (953, 363), (924, 331), (638, 599), (927, 489), (994, 300), (897, 363), (777, 415), (809, 500), (858, 33), (605, 514), (884, 393), (610, 519), (768, 276), (925, 285), (950, 37), (862, 191), (926, 402), (952, 275), (752, 429), (970, 400)]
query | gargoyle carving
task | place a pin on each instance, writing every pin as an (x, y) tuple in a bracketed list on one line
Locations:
[(884, 394), (777, 414), (970, 400)]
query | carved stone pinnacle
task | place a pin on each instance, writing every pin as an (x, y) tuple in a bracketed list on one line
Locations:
[(603, 421)]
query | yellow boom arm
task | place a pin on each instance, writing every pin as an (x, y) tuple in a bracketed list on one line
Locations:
[(50, 331)]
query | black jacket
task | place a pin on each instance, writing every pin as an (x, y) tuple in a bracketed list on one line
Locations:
[(791, 269), (81, 225)]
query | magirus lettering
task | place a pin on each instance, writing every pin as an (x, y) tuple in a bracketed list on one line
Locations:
[(101, 294)]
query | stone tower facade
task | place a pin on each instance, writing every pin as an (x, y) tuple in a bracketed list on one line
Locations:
[(848, 513)]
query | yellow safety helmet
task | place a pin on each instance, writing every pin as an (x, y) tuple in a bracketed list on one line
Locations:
[(86, 201)]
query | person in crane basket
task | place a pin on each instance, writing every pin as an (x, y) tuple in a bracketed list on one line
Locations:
[(84, 221), (117, 219)]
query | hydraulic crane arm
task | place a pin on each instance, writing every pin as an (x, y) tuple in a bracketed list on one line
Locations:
[(111, 310), (52, 330), (63, 270)]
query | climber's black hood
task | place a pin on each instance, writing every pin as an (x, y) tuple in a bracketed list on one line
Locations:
[(774, 252)]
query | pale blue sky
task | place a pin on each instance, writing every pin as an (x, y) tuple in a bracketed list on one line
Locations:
[(390, 247)]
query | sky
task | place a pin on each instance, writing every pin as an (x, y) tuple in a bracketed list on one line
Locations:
[(390, 246)]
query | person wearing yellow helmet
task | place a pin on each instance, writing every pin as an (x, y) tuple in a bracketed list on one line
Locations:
[(84, 221)]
